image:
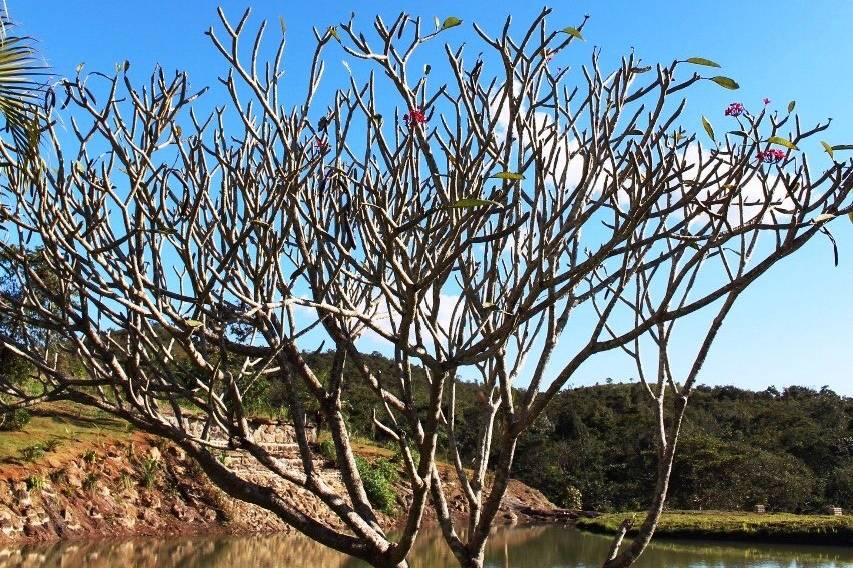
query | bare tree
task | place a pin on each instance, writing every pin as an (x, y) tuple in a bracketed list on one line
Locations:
[(500, 225)]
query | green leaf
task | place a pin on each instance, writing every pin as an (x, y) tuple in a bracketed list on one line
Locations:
[(828, 149), (843, 147), (79, 67), (450, 22), (333, 31), (634, 132), (708, 128), (194, 324), (702, 61), (509, 175), (740, 133), (781, 142), (574, 32), (645, 69), (850, 216), (725, 82), (824, 217), (791, 106), (467, 202), (427, 69)]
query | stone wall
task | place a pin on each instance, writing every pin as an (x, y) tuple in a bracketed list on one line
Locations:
[(266, 432)]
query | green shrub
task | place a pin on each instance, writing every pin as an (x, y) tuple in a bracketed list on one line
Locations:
[(52, 444), (573, 498), (398, 456), (149, 468), (126, 481), (326, 449), (377, 479), (32, 453), (91, 481), (386, 469), (14, 420), (35, 483), (90, 457)]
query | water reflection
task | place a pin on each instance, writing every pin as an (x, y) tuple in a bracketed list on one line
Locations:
[(534, 547)]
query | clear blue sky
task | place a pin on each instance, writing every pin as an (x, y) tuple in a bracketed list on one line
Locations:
[(793, 327)]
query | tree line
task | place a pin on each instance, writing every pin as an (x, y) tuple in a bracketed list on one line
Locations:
[(791, 450)]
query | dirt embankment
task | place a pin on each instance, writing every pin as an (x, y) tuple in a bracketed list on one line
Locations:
[(139, 486), (121, 488)]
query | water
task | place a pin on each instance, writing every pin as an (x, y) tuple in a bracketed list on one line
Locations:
[(535, 547)]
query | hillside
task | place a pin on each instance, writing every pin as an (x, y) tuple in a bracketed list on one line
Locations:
[(792, 450)]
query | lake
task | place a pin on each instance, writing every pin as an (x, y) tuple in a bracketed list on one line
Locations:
[(529, 547)]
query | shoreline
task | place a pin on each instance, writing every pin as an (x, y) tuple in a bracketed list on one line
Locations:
[(734, 526)]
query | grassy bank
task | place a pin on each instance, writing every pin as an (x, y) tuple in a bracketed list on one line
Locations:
[(55, 433), (726, 525)]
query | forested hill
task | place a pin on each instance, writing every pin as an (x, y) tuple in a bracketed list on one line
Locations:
[(792, 450)]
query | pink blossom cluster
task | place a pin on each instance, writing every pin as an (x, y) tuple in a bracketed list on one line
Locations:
[(771, 156), (735, 109), (414, 116)]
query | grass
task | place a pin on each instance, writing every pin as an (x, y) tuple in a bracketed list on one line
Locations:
[(58, 429), (727, 525)]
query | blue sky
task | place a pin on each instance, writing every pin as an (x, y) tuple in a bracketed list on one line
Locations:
[(793, 327)]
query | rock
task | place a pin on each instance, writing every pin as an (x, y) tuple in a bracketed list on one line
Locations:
[(150, 500), (22, 499), (127, 522), (510, 518), (179, 510), (150, 517), (178, 453)]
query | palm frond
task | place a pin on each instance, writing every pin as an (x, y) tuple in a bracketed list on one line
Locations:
[(22, 88)]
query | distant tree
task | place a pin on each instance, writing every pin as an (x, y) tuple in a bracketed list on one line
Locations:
[(465, 224)]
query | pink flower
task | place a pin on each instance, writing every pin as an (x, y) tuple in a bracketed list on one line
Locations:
[(766, 101), (321, 145), (771, 156), (735, 109), (414, 116)]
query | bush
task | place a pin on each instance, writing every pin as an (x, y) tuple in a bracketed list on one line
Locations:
[(398, 456), (387, 469), (377, 479), (573, 498), (126, 482), (149, 468), (91, 481), (51, 445), (32, 453), (326, 448), (35, 483), (14, 420)]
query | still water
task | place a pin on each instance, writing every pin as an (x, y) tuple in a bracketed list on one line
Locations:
[(533, 547)]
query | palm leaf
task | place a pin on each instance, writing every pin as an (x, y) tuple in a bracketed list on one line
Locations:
[(22, 88)]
